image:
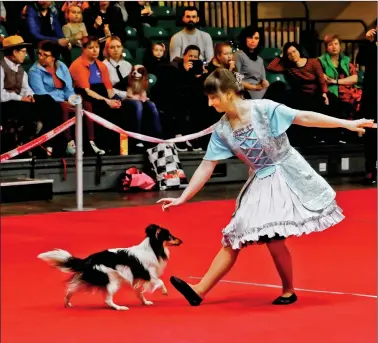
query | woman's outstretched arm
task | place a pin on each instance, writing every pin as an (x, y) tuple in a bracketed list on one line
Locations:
[(314, 119)]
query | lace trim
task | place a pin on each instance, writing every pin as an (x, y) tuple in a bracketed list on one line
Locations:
[(328, 218)]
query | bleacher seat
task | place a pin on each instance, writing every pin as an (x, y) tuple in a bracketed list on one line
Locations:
[(275, 77), (128, 56), (217, 34), (163, 12), (156, 33), (361, 75), (75, 53), (169, 25), (269, 54), (233, 33), (3, 31), (151, 81), (139, 55), (131, 39)]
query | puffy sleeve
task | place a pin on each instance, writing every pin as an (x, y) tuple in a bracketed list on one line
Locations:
[(217, 150), (280, 117)]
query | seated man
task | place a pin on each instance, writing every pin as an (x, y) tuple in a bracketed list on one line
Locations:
[(191, 36), (18, 102)]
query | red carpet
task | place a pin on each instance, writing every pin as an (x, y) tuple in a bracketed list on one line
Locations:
[(341, 259)]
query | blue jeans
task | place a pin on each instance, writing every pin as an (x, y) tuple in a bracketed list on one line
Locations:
[(153, 117)]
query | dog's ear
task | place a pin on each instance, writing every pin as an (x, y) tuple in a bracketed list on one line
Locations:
[(152, 230)]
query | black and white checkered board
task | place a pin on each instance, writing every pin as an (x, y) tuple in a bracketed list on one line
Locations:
[(167, 166)]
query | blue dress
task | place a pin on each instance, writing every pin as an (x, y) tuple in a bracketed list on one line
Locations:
[(276, 202)]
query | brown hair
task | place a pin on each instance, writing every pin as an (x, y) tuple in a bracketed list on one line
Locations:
[(218, 48), (222, 80), (330, 38)]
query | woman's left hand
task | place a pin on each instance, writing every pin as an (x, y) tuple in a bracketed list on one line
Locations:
[(325, 97), (358, 125)]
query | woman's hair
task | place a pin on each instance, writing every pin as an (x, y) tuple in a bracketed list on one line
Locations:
[(222, 80), (330, 38), (285, 48), (107, 44), (247, 32), (88, 40), (50, 46)]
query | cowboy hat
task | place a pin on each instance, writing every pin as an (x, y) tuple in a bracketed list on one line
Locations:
[(13, 41)]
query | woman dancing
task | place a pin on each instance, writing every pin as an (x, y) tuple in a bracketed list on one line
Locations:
[(283, 196)]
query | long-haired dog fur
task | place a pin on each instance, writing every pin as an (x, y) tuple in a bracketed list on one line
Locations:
[(138, 83), (140, 266)]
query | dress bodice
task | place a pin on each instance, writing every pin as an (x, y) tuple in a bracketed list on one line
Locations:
[(253, 150)]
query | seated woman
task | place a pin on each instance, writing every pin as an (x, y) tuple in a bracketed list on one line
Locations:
[(341, 76), (249, 64), (119, 69), (50, 76), (308, 86), (91, 80)]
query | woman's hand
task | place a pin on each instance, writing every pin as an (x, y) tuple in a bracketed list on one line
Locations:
[(168, 202), (113, 103), (370, 35), (264, 83), (329, 80), (358, 125), (325, 97)]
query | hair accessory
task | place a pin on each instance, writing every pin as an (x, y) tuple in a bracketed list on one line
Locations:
[(239, 78)]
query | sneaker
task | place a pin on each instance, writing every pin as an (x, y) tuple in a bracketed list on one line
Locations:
[(194, 145), (71, 148), (181, 146), (96, 150)]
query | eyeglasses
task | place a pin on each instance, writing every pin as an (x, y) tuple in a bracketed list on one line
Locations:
[(43, 55)]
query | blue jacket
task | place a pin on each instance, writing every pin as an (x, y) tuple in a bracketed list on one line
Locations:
[(41, 81), (32, 19)]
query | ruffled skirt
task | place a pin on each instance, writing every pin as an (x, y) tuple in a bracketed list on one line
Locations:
[(268, 209)]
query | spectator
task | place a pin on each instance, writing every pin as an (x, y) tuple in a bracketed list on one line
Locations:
[(119, 70), (49, 76), (91, 81), (3, 13), (75, 29), (189, 97), (102, 19), (19, 104), (341, 76), (249, 64), (368, 58), (223, 58), (190, 35), (308, 89), (43, 24)]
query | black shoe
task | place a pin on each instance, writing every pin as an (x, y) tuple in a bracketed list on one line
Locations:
[(190, 295), (285, 300)]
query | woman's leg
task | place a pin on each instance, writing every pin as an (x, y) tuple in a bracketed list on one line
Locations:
[(155, 117), (282, 260), (220, 266)]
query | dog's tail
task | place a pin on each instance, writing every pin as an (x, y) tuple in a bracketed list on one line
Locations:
[(63, 260)]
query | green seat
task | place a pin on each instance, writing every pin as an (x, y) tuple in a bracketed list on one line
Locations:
[(269, 54), (216, 33), (169, 25), (275, 77), (3, 31), (234, 32), (139, 55), (151, 81), (156, 33), (131, 42), (163, 12), (76, 52), (128, 56)]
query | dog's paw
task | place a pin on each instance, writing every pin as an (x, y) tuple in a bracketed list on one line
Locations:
[(67, 305), (148, 303)]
